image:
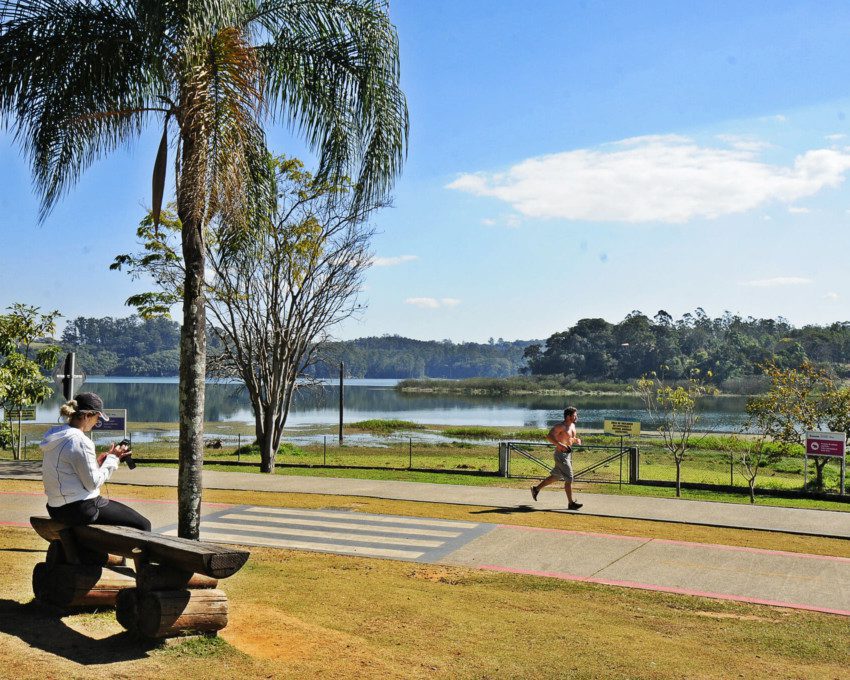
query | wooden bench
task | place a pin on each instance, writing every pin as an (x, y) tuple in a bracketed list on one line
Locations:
[(172, 588)]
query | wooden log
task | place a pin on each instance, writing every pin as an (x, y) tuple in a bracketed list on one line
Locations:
[(64, 547), (126, 609), (166, 613), (80, 585), (204, 558), (163, 577), (47, 528)]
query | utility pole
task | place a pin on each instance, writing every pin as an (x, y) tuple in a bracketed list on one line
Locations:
[(341, 398)]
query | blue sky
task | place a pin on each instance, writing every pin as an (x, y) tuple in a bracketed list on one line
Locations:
[(567, 160)]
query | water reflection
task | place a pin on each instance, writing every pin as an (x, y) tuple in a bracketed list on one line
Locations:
[(156, 400)]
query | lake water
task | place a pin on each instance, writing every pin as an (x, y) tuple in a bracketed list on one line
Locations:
[(155, 400)]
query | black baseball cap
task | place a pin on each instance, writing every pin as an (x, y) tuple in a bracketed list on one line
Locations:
[(89, 401)]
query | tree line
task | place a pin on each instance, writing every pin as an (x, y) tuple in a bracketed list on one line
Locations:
[(729, 350), (134, 346)]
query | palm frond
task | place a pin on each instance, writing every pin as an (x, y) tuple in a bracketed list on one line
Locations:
[(332, 70), (61, 64)]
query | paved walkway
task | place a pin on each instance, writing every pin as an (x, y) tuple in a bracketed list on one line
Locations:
[(749, 575), (826, 523)]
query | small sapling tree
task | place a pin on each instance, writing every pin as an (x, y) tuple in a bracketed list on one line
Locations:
[(796, 402), (24, 354), (752, 458), (672, 406)]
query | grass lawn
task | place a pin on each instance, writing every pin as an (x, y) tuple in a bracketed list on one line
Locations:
[(300, 614)]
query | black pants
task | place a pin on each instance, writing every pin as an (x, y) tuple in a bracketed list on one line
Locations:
[(99, 511)]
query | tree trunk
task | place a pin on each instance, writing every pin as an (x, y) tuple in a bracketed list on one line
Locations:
[(265, 440), (752, 491), (678, 478), (820, 463), (193, 365)]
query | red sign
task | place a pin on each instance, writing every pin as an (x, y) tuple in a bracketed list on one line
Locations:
[(825, 444)]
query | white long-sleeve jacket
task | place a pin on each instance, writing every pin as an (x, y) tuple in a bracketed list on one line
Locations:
[(70, 471)]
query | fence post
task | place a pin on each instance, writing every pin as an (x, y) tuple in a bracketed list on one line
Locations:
[(503, 459), (731, 469), (410, 452), (634, 465), (325, 450), (621, 463)]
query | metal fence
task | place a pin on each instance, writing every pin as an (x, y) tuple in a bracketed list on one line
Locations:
[(592, 463)]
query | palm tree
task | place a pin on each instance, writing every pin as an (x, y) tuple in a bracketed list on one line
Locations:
[(80, 78)]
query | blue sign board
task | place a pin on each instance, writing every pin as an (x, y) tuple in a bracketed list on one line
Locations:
[(117, 421)]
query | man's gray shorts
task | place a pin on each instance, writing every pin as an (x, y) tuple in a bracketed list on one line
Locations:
[(563, 469)]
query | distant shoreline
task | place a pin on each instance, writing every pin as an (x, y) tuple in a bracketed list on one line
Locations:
[(522, 385)]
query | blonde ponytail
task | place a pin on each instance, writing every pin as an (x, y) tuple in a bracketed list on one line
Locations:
[(68, 409)]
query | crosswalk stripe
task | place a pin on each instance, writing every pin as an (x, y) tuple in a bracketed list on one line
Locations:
[(328, 535), (364, 525), (343, 516), (362, 551)]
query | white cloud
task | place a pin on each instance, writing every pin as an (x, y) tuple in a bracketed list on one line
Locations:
[(423, 302), (836, 137), (432, 303), (488, 222), (392, 261), (796, 210), (655, 179), (744, 143), (778, 281), (831, 296)]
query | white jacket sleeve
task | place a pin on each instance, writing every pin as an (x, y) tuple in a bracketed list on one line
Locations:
[(85, 465)]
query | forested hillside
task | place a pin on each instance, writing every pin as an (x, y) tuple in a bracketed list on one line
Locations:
[(392, 356), (134, 347), (731, 347)]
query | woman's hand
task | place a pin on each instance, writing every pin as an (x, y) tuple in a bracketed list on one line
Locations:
[(118, 450), (121, 450)]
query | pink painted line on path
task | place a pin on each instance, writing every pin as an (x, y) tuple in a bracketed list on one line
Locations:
[(687, 544), (759, 551), (165, 500), (573, 532), (122, 499), (15, 524), (664, 589)]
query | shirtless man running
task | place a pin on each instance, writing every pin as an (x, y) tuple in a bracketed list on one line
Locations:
[(563, 436)]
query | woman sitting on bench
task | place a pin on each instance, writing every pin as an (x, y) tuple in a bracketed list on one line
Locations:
[(73, 471)]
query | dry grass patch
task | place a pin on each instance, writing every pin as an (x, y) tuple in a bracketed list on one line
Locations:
[(299, 614)]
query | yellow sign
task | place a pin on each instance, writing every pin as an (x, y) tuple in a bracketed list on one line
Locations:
[(623, 428), (25, 413)]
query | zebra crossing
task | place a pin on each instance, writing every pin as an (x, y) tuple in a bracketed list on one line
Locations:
[(339, 531)]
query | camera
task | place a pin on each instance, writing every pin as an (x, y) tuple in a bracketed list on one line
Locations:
[(128, 458)]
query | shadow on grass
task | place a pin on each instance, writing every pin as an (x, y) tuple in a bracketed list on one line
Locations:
[(41, 626), (504, 511)]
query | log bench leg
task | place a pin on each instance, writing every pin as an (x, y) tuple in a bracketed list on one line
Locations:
[(79, 585), (170, 613)]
